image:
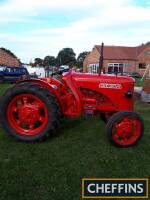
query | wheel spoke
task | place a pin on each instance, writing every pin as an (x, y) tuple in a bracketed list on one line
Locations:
[(41, 119), (25, 100), (14, 109), (19, 104), (31, 126), (18, 122), (115, 136), (39, 105)]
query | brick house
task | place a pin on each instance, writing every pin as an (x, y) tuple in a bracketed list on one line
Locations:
[(7, 58), (119, 59)]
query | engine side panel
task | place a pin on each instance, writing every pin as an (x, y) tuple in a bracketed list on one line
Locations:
[(108, 91)]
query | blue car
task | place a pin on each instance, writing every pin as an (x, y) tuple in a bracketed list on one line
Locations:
[(12, 74)]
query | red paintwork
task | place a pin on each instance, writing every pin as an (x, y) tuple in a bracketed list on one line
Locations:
[(27, 114), (77, 92), (126, 131)]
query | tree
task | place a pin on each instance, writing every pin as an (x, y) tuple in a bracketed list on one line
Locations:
[(38, 61), (49, 61), (66, 57), (81, 58), (147, 43)]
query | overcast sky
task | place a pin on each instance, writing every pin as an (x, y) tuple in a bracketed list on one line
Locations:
[(36, 28)]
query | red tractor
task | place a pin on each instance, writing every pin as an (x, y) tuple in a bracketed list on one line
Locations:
[(32, 109)]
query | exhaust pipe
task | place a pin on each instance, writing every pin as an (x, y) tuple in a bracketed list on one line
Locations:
[(101, 58)]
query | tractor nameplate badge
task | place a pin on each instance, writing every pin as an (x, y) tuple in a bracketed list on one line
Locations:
[(110, 86)]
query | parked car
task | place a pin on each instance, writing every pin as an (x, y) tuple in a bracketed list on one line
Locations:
[(12, 74), (33, 75), (126, 74), (64, 68), (132, 74), (136, 75)]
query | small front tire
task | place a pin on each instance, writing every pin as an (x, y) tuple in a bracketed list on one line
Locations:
[(125, 129)]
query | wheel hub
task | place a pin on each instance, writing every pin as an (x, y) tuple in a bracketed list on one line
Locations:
[(28, 114), (126, 129)]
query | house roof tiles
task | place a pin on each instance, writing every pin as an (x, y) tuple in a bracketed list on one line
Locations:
[(121, 52)]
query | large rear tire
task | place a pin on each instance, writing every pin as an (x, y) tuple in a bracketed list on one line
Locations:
[(125, 129), (29, 112)]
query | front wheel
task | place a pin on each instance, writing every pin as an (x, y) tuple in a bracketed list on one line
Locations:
[(125, 128)]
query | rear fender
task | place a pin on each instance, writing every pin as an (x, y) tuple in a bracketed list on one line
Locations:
[(46, 84)]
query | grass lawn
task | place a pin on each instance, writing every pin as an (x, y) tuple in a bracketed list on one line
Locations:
[(52, 170)]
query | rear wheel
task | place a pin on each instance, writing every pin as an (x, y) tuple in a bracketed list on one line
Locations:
[(29, 112), (125, 128)]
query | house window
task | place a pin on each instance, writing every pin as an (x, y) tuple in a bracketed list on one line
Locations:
[(93, 68), (147, 53), (142, 65), (114, 68)]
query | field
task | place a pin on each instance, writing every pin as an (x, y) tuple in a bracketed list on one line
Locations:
[(52, 170)]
